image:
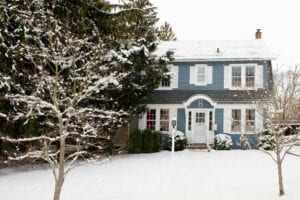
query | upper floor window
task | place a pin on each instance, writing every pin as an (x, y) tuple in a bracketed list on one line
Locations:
[(151, 117), (250, 76), (165, 82), (236, 124), (200, 74), (164, 119), (236, 76), (250, 120)]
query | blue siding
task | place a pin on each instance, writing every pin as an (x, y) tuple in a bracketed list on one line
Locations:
[(266, 75), (236, 140), (205, 104), (219, 116), (184, 76), (181, 120), (218, 74)]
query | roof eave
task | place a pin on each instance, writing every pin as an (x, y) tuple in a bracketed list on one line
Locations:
[(221, 59)]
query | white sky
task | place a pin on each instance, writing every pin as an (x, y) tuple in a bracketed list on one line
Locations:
[(237, 19)]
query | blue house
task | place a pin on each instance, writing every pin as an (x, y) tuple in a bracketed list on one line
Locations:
[(215, 87)]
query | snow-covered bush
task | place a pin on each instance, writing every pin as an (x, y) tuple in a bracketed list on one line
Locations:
[(267, 140), (244, 143), (223, 142), (180, 141)]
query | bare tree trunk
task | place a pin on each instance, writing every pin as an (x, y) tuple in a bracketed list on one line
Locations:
[(279, 170), (61, 171)]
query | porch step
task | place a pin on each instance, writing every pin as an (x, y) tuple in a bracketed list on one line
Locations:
[(196, 146)]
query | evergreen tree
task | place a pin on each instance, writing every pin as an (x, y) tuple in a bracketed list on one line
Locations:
[(165, 32), (65, 67), (267, 140)]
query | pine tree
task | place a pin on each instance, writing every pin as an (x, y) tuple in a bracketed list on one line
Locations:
[(72, 75), (266, 140), (165, 32)]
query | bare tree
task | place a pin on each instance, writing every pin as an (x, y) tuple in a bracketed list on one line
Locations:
[(287, 94), (61, 79), (274, 139)]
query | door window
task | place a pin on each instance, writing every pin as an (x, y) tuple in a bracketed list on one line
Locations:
[(200, 118)]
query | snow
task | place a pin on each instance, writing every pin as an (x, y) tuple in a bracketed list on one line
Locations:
[(207, 50), (190, 174)]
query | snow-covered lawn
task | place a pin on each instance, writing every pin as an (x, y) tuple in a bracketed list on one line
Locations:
[(218, 175)]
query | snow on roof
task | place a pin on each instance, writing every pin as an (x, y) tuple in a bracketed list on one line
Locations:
[(217, 50)]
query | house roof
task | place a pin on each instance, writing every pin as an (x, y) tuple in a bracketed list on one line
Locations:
[(218, 96), (217, 50)]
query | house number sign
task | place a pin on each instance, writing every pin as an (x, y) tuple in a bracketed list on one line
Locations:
[(200, 103)]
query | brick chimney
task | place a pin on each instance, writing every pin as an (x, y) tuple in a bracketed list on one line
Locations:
[(258, 34)]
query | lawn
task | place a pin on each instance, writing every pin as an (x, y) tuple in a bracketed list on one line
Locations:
[(190, 174)]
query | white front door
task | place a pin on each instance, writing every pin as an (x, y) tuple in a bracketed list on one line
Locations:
[(199, 129)]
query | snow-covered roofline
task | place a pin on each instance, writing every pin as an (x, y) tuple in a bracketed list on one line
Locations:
[(223, 50)]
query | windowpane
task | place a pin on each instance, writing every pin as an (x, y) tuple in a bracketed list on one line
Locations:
[(236, 76), (210, 121), (200, 117), (250, 76), (190, 121), (250, 120), (201, 74), (151, 119), (236, 120), (165, 82), (164, 119)]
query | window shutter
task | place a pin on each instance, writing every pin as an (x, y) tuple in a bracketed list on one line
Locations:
[(209, 75), (193, 73), (259, 76), (174, 77), (227, 76)]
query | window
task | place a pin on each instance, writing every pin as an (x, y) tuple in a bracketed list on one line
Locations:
[(165, 82), (200, 118), (164, 119), (250, 120), (236, 120), (190, 121), (250, 76), (151, 116), (210, 127), (201, 74), (236, 76)]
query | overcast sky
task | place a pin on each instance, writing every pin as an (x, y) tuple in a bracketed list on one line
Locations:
[(237, 19)]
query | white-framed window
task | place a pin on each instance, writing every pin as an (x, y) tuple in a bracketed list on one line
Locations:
[(164, 119), (250, 120), (151, 119), (165, 82), (190, 120), (210, 126), (200, 74), (236, 76), (250, 76), (171, 80), (247, 76), (236, 123)]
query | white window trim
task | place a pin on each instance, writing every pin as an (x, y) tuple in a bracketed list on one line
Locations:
[(208, 74), (259, 117), (142, 125), (173, 70), (258, 78)]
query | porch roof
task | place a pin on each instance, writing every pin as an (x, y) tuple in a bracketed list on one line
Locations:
[(218, 96)]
